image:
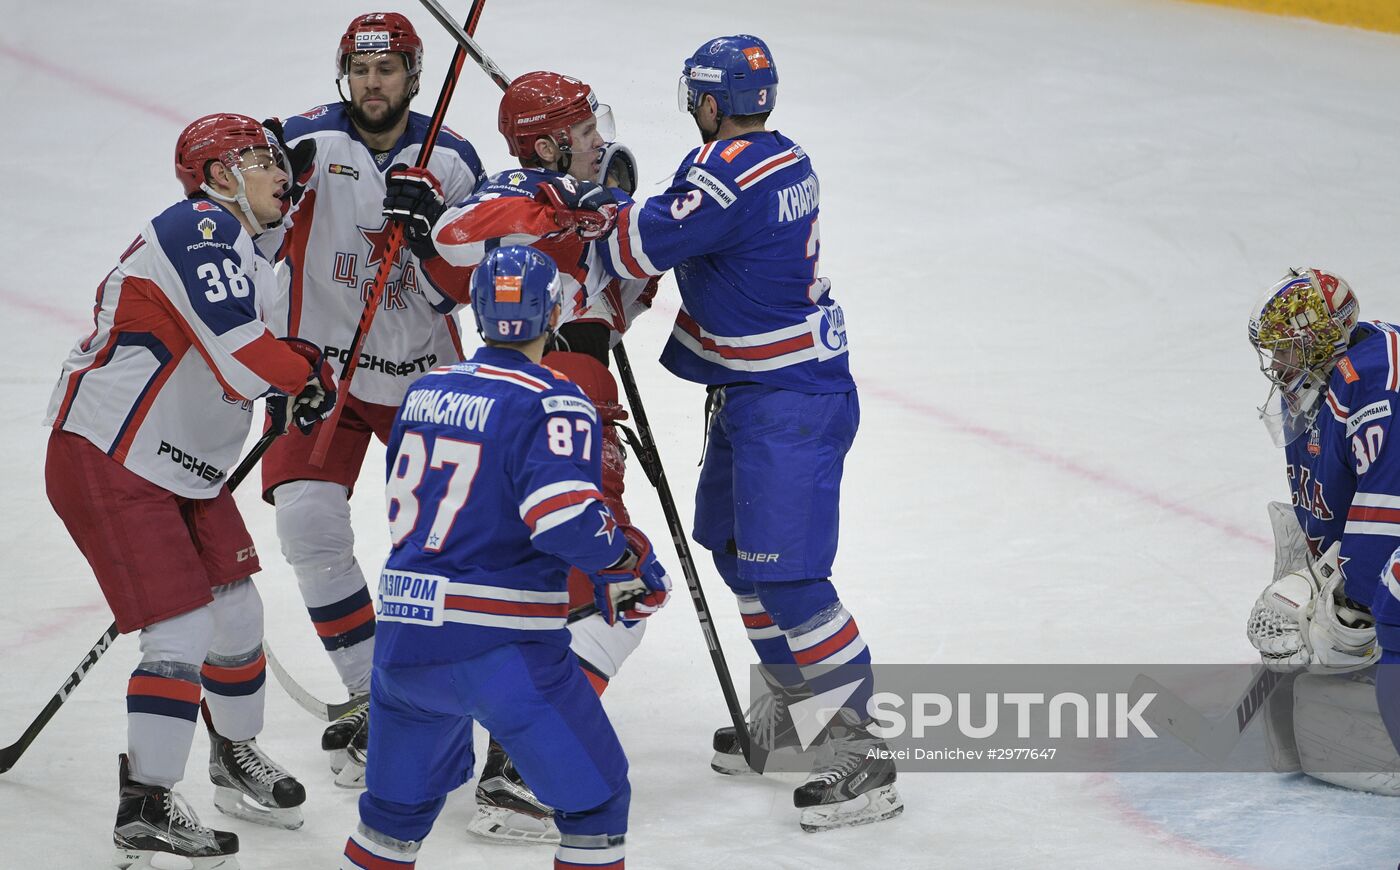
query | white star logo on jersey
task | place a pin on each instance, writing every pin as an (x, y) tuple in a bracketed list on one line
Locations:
[(609, 526), (434, 541)]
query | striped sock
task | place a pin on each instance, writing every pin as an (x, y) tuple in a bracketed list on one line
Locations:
[(830, 652), (765, 635), (590, 852), (367, 851), (233, 689), (346, 629), (162, 704)]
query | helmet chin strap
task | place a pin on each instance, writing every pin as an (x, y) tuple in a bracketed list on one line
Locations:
[(241, 198)]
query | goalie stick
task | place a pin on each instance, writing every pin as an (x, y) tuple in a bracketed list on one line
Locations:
[(10, 754), (645, 445), (1213, 738)]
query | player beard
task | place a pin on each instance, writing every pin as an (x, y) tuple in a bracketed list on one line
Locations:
[(706, 136), (391, 117)]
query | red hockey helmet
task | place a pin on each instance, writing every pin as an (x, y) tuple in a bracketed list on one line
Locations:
[(545, 104), (221, 137), (379, 32)]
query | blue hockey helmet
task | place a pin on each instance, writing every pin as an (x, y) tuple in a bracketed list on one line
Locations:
[(738, 71), (514, 293)]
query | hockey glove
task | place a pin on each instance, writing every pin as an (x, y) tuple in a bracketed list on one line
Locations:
[(314, 402), (634, 588), (302, 159), (585, 207), (413, 198), (618, 168)]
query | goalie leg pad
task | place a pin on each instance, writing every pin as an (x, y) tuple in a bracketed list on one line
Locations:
[(1278, 728), (1341, 737)]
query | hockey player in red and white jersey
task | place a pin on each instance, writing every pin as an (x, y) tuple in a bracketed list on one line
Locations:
[(148, 416), (334, 245), (560, 133)]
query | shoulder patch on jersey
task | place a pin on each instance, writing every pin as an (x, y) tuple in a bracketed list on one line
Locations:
[(517, 178), (318, 112), (341, 169), (732, 151), (1348, 370), (574, 404), (1373, 411), (204, 205), (717, 189)]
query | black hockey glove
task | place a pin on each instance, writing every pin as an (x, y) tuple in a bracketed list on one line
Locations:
[(313, 403), (302, 159), (413, 199), (585, 207)]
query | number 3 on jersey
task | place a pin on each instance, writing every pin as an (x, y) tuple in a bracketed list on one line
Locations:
[(412, 463)]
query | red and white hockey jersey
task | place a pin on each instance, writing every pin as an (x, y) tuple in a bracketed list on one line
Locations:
[(337, 240), (166, 380), (503, 211)]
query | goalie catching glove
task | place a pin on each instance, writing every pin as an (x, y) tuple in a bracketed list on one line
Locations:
[(1302, 620), (313, 403), (636, 586)]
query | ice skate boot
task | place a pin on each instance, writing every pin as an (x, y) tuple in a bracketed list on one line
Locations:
[(156, 829), (771, 730), (507, 811), (854, 784), (251, 786), (347, 740)]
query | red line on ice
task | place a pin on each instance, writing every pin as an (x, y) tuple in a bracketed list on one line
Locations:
[(35, 61)]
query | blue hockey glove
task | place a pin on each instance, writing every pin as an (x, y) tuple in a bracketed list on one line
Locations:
[(313, 403), (634, 588), (413, 198)]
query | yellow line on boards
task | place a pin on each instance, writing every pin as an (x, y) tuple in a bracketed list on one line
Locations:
[(1369, 14)]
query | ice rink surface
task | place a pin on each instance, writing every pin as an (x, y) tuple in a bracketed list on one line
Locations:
[(1046, 222)]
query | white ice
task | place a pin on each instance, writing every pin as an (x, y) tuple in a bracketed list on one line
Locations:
[(1046, 222)]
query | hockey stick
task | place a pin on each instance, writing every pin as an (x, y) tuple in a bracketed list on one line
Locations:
[(10, 754), (1212, 738), (651, 464), (647, 453), (393, 246), (323, 710)]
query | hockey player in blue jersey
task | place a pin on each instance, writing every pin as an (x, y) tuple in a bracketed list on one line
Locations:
[(759, 327), (1331, 407), (493, 492)]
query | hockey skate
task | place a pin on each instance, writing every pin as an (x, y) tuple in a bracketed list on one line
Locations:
[(853, 786), (250, 786), (507, 811), (347, 740), (156, 829), (771, 731)]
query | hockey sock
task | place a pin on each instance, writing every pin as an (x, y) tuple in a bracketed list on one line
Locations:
[(824, 639), (235, 669), (368, 849), (162, 697), (594, 839), (765, 635), (590, 852), (388, 821), (313, 524)]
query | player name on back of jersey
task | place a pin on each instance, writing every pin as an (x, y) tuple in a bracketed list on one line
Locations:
[(447, 408)]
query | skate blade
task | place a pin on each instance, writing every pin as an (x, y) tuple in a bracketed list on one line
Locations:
[(352, 775), (142, 859), (232, 802), (500, 825), (873, 806)]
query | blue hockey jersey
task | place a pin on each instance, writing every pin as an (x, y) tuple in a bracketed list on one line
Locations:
[(739, 227), (493, 492), (1345, 483)]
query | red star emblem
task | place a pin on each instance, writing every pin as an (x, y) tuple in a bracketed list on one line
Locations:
[(609, 526), (378, 240)]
